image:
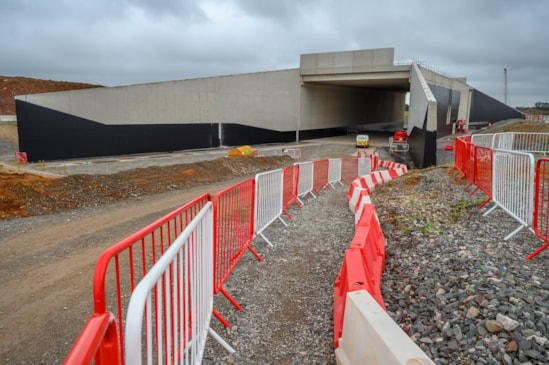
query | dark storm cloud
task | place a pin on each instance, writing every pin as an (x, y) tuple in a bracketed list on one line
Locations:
[(135, 41)]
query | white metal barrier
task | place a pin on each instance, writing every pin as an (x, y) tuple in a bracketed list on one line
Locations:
[(305, 183), (334, 171), (531, 142), (295, 153), (483, 140), (176, 299), (268, 200), (503, 141), (364, 165), (399, 147), (513, 185)]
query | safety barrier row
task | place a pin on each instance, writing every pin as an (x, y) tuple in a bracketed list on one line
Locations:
[(514, 141), (118, 270), (508, 177), (363, 332), (538, 118), (176, 300), (239, 214)]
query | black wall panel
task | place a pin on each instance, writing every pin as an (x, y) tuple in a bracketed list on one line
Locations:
[(237, 135), (46, 134), (487, 109)]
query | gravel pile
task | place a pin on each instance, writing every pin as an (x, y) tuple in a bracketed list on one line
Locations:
[(461, 292)]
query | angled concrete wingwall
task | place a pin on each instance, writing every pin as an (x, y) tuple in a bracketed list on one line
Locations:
[(422, 120)]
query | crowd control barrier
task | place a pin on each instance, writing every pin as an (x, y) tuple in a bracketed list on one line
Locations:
[(483, 162), (366, 165), (124, 264), (541, 206), (349, 169), (503, 141), (305, 182), (513, 186), (268, 200), (176, 299), (233, 231), (320, 174), (97, 342), (289, 191), (334, 171), (295, 153), (21, 157), (482, 140)]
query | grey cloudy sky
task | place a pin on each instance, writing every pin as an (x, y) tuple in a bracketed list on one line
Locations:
[(122, 42)]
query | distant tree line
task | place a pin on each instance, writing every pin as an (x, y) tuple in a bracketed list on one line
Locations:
[(542, 105)]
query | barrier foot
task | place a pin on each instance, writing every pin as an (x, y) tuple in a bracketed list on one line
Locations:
[(452, 169), (474, 191), (533, 254), (282, 220), (221, 341), (467, 187), (490, 211), (289, 216), (483, 204), (255, 253), (231, 299), (514, 233), (266, 240), (299, 200), (221, 319), (461, 178)]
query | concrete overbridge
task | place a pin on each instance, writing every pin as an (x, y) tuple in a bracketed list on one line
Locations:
[(329, 94)]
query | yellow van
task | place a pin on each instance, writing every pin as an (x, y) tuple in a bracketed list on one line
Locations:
[(362, 140)]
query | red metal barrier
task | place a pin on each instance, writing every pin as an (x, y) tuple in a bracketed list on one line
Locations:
[(483, 171), (541, 208), (21, 157), (233, 231), (349, 168), (461, 153), (469, 164), (289, 193), (123, 265), (320, 174), (97, 342)]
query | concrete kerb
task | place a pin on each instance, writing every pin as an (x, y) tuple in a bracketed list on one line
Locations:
[(369, 335)]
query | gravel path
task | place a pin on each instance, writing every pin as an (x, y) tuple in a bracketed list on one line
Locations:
[(451, 282)]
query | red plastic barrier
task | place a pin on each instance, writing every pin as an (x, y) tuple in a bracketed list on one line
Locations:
[(21, 157), (320, 174), (289, 193), (98, 341), (541, 208), (349, 168), (483, 171), (233, 231), (362, 267), (122, 266)]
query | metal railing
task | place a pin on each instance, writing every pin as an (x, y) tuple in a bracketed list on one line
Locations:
[(289, 190), (233, 231), (320, 174), (175, 300), (268, 200), (334, 171), (513, 186), (305, 183)]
